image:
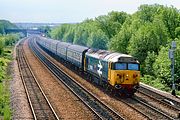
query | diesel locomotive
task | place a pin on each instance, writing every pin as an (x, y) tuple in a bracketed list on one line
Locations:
[(118, 71)]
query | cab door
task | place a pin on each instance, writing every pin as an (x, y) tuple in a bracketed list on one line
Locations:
[(109, 71)]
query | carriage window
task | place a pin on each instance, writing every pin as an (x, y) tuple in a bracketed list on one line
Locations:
[(120, 66), (133, 66)]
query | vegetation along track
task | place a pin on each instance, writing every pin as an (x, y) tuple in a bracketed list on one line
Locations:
[(40, 106), (170, 104), (100, 110)]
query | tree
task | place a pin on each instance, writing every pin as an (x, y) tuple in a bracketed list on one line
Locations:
[(81, 36), (111, 24), (120, 41), (177, 61), (69, 35), (58, 32), (10, 39), (149, 37), (1, 29), (149, 61), (46, 30), (177, 32), (98, 40), (171, 19), (147, 12), (1, 44), (161, 66)]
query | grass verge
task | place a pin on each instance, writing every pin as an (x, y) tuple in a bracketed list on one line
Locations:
[(5, 77)]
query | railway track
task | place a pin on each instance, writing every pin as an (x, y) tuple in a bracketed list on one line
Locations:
[(165, 107), (39, 104), (149, 92), (100, 110), (167, 103), (145, 109)]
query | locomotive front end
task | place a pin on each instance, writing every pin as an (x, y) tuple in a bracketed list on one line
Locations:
[(124, 74)]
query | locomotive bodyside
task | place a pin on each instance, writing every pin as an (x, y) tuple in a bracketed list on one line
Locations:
[(96, 65), (118, 70)]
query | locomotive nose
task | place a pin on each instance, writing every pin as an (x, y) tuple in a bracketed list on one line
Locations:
[(127, 77)]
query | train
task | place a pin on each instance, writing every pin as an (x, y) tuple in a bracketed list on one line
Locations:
[(116, 71)]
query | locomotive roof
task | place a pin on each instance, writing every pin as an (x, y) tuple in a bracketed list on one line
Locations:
[(77, 48), (50, 41), (107, 55), (64, 44)]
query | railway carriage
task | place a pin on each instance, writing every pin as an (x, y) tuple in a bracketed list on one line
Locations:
[(62, 49), (76, 54), (53, 46), (43, 42)]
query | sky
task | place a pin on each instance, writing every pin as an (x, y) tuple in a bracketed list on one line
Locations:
[(69, 11)]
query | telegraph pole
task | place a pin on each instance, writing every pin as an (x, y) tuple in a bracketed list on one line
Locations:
[(171, 56)]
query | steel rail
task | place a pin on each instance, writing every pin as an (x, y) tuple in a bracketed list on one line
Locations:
[(23, 66), (93, 103)]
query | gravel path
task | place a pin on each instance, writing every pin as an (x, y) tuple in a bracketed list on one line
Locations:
[(66, 105), (19, 103)]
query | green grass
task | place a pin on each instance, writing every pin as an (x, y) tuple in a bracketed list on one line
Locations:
[(5, 111), (156, 83)]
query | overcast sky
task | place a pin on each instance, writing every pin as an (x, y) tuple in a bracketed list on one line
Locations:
[(65, 11)]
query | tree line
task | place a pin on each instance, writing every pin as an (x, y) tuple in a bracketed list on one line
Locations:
[(147, 35), (9, 39)]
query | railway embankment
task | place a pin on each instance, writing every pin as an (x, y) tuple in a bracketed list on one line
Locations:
[(18, 99)]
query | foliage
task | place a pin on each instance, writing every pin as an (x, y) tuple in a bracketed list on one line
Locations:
[(11, 39), (7, 24), (150, 59), (7, 40), (6, 43), (91, 30), (161, 66), (120, 41), (1, 28), (98, 39), (80, 36), (1, 44), (4, 89), (177, 32), (177, 61), (152, 81), (145, 34), (149, 37), (59, 32), (111, 23), (4, 24), (46, 30), (171, 19)]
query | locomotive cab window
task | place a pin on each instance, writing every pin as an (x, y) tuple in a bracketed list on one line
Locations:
[(133, 66), (126, 66), (120, 66)]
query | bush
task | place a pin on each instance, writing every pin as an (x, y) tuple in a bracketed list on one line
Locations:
[(155, 82)]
